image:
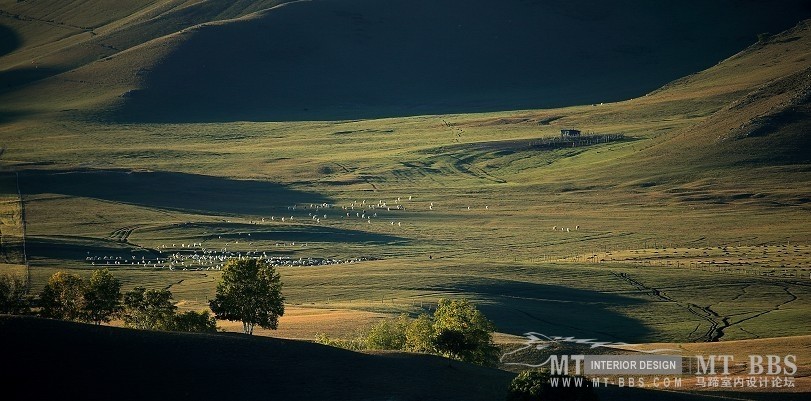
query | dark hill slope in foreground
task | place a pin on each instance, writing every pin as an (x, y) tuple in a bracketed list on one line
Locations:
[(82, 362), (47, 359), (183, 61)]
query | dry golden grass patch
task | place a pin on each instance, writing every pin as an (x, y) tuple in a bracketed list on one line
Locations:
[(13, 269), (305, 323)]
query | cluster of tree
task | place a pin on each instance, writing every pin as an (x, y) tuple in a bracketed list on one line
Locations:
[(536, 385), (249, 291), (154, 310), (13, 295), (67, 297), (456, 330)]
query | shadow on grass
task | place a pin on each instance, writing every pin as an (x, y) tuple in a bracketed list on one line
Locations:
[(519, 307), (168, 190), (294, 233), (17, 77), (78, 248), (9, 40)]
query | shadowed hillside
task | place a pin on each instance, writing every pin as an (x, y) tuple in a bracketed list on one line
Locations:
[(93, 363), (371, 59)]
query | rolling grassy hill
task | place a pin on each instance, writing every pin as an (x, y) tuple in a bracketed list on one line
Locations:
[(180, 61), (46, 38)]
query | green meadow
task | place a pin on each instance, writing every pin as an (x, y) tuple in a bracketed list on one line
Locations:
[(530, 234)]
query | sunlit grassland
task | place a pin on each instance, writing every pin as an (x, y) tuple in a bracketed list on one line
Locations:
[(518, 229), (501, 252)]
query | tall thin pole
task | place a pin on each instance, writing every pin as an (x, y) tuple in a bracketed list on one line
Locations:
[(22, 218)]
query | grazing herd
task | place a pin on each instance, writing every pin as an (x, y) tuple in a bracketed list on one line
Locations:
[(208, 259), (196, 256)]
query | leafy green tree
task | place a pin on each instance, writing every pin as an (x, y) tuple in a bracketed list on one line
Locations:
[(63, 297), (194, 322), (528, 386), (102, 297), (460, 331), (388, 334), (13, 292), (419, 334), (456, 330), (149, 309), (250, 291), (534, 385)]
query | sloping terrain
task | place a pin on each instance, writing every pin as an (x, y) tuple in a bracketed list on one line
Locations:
[(98, 363), (737, 129), (46, 38), (52, 359), (768, 124), (369, 58)]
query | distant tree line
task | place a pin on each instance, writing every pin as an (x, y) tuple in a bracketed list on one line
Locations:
[(249, 291), (456, 330), (67, 296)]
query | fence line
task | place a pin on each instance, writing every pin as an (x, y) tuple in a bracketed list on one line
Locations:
[(584, 140)]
